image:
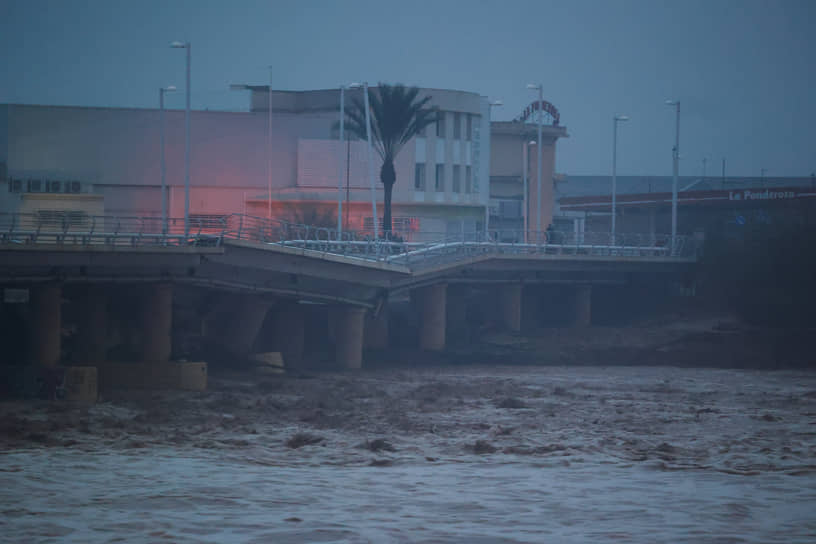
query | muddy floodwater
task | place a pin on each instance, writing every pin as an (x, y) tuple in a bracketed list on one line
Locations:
[(453, 454)]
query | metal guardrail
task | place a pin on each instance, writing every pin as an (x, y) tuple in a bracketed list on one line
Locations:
[(437, 249)]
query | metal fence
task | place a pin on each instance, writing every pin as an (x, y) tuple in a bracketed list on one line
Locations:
[(80, 229)]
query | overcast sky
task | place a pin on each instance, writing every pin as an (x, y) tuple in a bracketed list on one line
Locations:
[(743, 70)]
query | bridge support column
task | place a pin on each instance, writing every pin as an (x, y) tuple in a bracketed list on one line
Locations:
[(582, 306), (92, 325), (289, 332), (45, 331), (431, 304), (456, 318), (157, 323), (510, 306), (376, 329), (239, 322), (348, 328)]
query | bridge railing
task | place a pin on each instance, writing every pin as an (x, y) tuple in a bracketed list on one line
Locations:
[(65, 227), (76, 228)]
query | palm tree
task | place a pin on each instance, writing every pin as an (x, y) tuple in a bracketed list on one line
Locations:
[(396, 117)]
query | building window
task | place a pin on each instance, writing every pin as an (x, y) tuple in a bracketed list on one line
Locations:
[(440, 177), (440, 125), (419, 176), (457, 126), (457, 182), (469, 127), (62, 218), (468, 179)]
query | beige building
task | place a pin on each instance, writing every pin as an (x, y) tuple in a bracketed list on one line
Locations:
[(510, 211)]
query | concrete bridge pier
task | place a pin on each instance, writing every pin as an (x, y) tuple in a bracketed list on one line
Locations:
[(157, 322), (456, 314), (289, 327), (509, 306), (92, 325), (377, 329), (45, 325), (238, 320), (349, 324), (431, 304)]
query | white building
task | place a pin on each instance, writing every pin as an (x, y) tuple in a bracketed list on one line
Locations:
[(78, 160)]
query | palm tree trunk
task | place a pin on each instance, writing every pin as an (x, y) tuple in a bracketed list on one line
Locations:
[(388, 176), (387, 211)]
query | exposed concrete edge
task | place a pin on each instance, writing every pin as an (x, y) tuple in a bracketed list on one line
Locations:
[(314, 254)]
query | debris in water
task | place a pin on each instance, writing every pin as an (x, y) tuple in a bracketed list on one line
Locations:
[(303, 439)]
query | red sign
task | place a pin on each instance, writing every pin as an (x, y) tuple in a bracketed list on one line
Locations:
[(542, 105)]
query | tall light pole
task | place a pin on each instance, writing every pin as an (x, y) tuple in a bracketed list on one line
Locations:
[(524, 147), (370, 165), (616, 120), (186, 45), (676, 170), (269, 150), (163, 90), (245, 87), (342, 158), (490, 106), (540, 88)]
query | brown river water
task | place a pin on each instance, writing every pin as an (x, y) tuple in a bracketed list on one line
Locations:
[(453, 454)]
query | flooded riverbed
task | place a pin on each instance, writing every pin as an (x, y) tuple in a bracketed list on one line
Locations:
[(457, 454)]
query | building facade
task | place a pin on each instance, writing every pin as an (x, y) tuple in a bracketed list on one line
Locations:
[(514, 157), (79, 161)]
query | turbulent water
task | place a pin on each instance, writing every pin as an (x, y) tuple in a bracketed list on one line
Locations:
[(461, 454)]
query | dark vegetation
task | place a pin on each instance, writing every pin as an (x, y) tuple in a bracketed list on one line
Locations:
[(767, 277), (397, 115)]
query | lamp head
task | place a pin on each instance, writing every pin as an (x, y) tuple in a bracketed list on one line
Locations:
[(178, 45), (621, 118), (533, 86), (672, 102), (170, 88)]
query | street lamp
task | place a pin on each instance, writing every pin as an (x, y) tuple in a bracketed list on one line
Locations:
[(341, 162), (186, 45), (245, 87), (163, 90), (616, 120), (370, 165), (540, 88), (524, 147), (676, 169), (490, 106)]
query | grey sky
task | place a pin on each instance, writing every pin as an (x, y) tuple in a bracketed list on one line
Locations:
[(743, 70)]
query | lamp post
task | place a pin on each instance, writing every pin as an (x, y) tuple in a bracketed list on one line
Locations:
[(186, 45), (370, 165), (269, 151), (615, 122), (540, 88), (524, 147), (342, 159), (490, 106), (245, 87), (163, 90), (675, 170)]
